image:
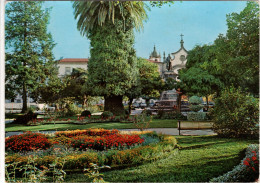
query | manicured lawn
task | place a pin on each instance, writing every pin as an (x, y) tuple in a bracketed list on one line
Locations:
[(156, 123), (199, 159)]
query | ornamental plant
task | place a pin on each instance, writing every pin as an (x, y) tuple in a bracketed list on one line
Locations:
[(236, 114), (115, 141), (27, 142)]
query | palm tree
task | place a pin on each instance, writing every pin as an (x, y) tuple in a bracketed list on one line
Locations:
[(96, 13), (112, 66)]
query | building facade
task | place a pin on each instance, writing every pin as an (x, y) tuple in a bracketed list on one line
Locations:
[(171, 64)]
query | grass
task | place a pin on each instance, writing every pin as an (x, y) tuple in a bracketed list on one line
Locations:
[(156, 123), (199, 159)]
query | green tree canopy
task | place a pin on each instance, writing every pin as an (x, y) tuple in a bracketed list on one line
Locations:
[(112, 66), (29, 58), (149, 83)]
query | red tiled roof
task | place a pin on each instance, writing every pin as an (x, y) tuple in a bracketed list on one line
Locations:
[(153, 61), (74, 60)]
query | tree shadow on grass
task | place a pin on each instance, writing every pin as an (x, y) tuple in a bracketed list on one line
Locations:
[(184, 173)]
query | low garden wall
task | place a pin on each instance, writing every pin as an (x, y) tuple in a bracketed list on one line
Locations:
[(195, 125)]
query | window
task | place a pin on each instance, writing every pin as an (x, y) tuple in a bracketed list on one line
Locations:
[(67, 70)]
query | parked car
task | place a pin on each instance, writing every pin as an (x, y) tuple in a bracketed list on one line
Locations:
[(151, 104), (135, 105)]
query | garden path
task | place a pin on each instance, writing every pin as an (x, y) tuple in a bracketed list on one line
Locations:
[(166, 131)]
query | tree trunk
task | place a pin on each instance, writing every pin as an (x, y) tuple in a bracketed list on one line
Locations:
[(179, 103), (85, 102), (130, 105), (24, 109), (207, 100), (114, 104)]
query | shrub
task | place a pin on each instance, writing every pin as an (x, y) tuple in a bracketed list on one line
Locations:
[(195, 103), (107, 114), (24, 119), (160, 113), (86, 113), (196, 116), (246, 171), (27, 142), (71, 109), (236, 114)]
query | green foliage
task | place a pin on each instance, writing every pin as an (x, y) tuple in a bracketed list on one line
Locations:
[(149, 83), (195, 100), (195, 103), (160, 3), (236, 114), (112, 66), (29, 60), (71, 109), (92, 14), (107, 114), (197, 80), (231, 60), (196, 116), (93, 173), (170, 115), (86, 113), (143, 121)]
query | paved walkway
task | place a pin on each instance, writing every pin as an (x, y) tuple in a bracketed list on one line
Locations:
[(166, 131)]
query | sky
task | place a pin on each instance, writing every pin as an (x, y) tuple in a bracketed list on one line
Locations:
[(199, 21)]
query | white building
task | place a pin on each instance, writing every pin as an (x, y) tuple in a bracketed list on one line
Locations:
[(66, 65)]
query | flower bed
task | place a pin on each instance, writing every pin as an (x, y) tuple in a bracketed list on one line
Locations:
[(117, 141), (78, 160), (88, 132), (27, 142)]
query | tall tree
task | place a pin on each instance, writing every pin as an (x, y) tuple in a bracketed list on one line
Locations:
[(112, 67), (149, 83), (29, 48)]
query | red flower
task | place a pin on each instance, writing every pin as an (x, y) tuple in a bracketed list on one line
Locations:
[(246, 163), (254, 158)]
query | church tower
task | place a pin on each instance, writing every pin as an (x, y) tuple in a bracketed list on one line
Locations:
[(179, 58), (154, 56)]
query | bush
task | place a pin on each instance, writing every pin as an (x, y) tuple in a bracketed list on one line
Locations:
[(170, 115), (71, 109), (196, 116), (246, 171), (27, 142), (85, 113), (195, 103), (107, 114), (24, 119), (236, 114)]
